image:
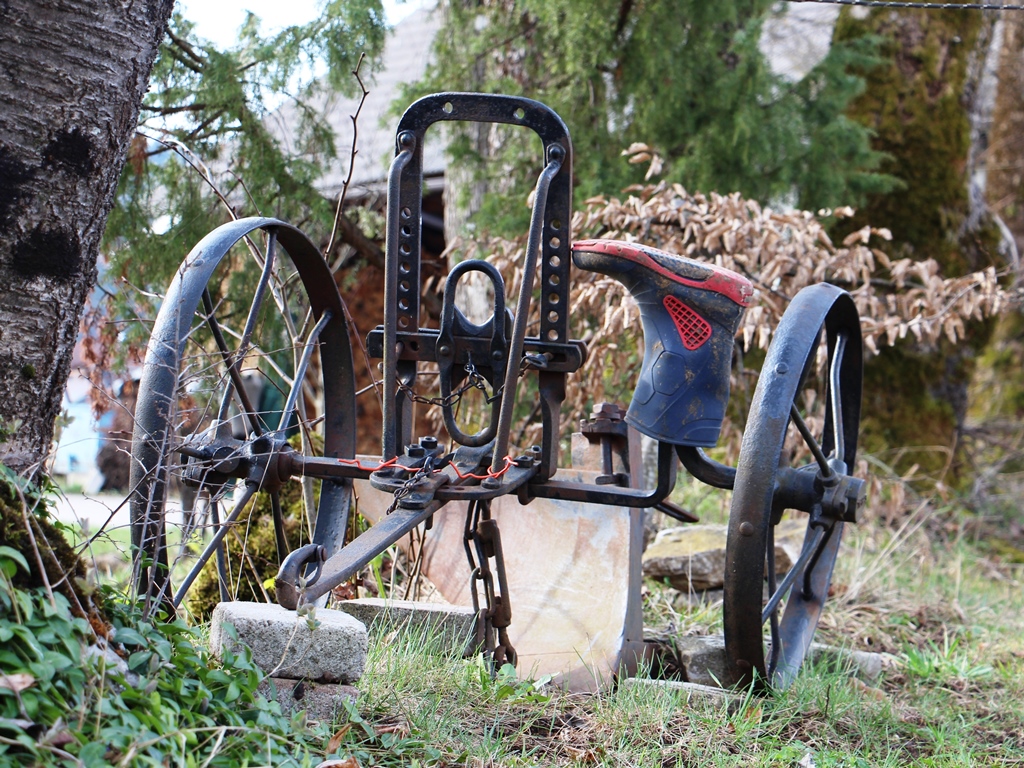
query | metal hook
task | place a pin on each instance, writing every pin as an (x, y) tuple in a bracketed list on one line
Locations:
[(289, 593)]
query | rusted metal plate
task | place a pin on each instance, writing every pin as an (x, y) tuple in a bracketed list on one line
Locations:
[(574, 577)]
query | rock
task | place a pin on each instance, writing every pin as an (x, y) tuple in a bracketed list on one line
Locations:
[(684, 601), (862, 664), (692, 557), (702, 658), (283, 645), (694, 693), (105, 656), (320, 701), (451, 625)]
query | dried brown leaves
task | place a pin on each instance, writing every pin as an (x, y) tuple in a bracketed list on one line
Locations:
[(780, 252)]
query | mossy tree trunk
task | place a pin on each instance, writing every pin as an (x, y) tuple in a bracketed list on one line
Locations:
[(72, 77), (996, 420), (919, 104)]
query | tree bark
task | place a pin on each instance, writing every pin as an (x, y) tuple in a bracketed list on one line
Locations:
[(919, 103), (72, 77)]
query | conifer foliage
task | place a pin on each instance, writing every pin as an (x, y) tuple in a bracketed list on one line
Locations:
[(687, 78), (236, 132)]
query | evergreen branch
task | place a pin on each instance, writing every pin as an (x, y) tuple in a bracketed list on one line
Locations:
[(186, 48), (175, 110), (352, 158), (353, 235), (195, 132), (179, 57), (484, 54), (196, 164)]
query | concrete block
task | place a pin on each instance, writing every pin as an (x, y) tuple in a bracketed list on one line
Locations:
[(322, 702), (451, 625), (693, 693), (283, 645)]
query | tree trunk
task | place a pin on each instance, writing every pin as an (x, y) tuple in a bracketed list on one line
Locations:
[(919, 103), (72, 77)]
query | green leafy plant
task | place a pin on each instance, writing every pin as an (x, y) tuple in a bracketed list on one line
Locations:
[(149, 694)]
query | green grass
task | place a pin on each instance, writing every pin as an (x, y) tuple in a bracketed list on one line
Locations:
[(932, 593), (948, 615)]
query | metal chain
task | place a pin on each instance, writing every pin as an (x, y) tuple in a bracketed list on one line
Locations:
[(492, 621), (410, 485), (474, 380), (925, 5)]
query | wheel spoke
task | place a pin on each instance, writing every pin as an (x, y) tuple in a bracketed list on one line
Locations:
[(279, 535), (259, 296), (805, 432), (774, 615), (807, 593), (835, 399), (223, 572), (235, 385), (218, 537), (300, 370), (809, 551)]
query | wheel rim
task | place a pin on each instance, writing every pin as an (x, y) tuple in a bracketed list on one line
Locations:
[(794, 602), (225, 367)]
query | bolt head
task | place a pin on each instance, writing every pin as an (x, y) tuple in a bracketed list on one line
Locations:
[(611, 411)]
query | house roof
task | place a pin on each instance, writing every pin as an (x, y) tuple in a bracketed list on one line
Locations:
[(405, 58)]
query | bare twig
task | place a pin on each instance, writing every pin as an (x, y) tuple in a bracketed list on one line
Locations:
[(352, 155), (190, 157)]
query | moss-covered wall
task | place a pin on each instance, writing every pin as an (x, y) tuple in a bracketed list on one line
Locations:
[(917, 101)]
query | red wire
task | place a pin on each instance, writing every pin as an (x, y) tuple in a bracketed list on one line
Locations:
[(389, 463), (393, 462), (469, 475)]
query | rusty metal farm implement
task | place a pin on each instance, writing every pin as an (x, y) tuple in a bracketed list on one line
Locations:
[(199, 377)]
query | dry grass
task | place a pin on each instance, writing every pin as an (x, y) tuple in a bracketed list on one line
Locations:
[(928, 593)]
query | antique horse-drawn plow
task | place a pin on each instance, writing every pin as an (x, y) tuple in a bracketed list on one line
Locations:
[(206, 351)]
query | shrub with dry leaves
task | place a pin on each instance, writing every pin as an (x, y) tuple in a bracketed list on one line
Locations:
[(781, 252)]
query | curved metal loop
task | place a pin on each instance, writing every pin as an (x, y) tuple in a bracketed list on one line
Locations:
[(763, 489), (153, 437), (452, 364), (291, 580)]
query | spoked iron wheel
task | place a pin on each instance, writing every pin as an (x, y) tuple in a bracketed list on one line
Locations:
[(249, 356), (807, 403)]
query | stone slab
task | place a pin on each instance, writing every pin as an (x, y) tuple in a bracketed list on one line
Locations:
[(574, 580), (703, 658), (284, 645), (693, 693), (322, 702), (692, 557), (864, 665), (451, 627)]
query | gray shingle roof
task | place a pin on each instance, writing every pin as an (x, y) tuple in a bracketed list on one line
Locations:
[(406, 54)]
